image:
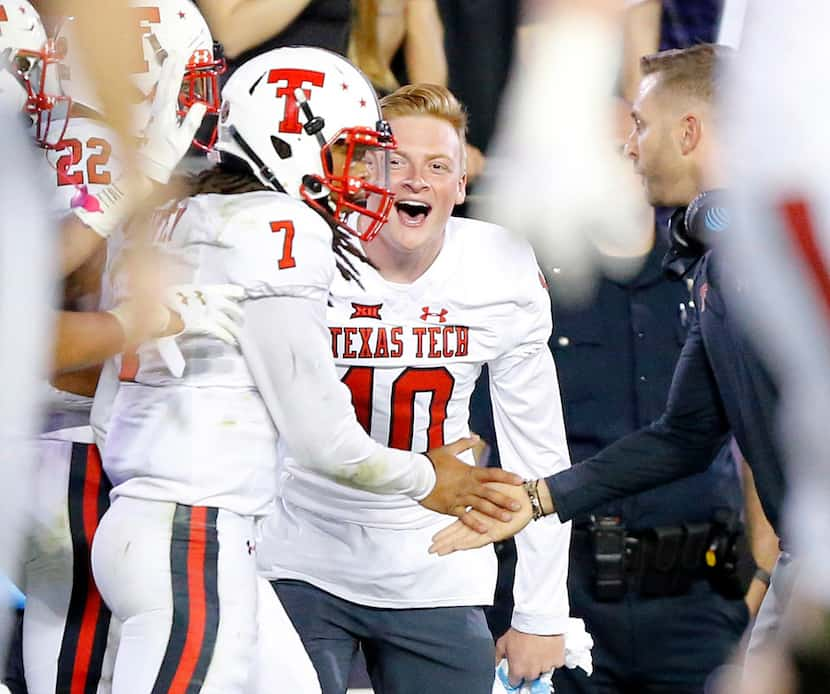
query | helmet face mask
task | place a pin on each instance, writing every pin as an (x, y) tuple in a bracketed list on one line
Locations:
[(356, 172), (47, 105), (164, 27), (200, 84), (30, 64), (307, 123)]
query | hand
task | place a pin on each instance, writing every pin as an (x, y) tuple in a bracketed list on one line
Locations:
[(166, 140), (459, 486), (459, 536), (209, 309), (589, 211), (529, 655)]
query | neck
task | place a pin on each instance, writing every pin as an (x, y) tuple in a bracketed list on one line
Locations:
[(401, 265)]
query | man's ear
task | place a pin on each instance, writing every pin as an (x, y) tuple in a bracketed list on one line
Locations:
[(461, 195), (691, 133)]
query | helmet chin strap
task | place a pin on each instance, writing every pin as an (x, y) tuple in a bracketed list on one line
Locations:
[(264, 171)]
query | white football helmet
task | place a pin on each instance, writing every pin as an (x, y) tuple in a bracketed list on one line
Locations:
[(161, 27), (28, 79), (305, 120)]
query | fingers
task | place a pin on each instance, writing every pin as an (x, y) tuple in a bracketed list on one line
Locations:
[(169, 84), (191, 122), (500, 500), (457, 537), (501, 650), (232, 292), (488, 508), (476, 521), (171, 355), (462, 445), (495, 474), (231, 310)]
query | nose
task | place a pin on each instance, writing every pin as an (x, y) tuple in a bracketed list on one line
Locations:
[(415, 183), (630, 150)]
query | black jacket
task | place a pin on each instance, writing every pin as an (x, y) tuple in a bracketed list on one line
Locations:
[(719, 385)]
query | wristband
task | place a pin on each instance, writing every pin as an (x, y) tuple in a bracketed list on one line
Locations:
[(125, 315), (105, 210), (532, 489), (763, 576)]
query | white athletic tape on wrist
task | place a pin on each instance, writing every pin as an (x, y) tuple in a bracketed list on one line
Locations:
[(106, 210)]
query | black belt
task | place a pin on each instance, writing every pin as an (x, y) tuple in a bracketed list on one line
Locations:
[(661, 561)]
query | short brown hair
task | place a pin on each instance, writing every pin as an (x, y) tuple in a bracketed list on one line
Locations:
[(425, 99), (697, 71)]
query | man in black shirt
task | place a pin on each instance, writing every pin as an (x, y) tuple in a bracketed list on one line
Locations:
[(719, 383)]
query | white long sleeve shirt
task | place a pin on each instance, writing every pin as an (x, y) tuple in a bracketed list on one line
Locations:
[(411, 355)]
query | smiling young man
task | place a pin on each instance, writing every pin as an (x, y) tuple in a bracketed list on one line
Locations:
[(446, 296)]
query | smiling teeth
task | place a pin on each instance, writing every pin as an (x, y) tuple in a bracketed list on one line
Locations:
[(413, 207)]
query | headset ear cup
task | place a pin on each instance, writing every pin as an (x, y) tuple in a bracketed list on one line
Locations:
[(683, 251), (707, 218)]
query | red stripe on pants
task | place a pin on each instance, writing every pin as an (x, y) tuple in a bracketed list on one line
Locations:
[(196, 601), (92, 608)]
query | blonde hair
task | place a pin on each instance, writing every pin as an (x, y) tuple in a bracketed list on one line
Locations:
[(695, 71), (429, 100)]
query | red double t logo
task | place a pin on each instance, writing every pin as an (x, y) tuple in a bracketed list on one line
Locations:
[(294, 79)]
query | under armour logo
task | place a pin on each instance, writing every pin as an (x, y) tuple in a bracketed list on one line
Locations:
[(251, 547), (440, 315), (366, 311), (201, 56), (185, 299)]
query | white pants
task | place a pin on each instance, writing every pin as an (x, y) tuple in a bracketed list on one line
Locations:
[(68, 635), (182, 580), (282, 664)]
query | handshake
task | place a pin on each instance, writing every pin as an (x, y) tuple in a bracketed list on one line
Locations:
[(495, 504)]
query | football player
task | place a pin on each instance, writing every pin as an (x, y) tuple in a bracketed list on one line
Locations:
[(66, 624), (192, 460), (444, 296)]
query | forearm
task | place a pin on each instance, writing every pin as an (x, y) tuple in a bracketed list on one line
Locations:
[(643, 460), (78, 242), (641, 36), (762, 538), (239, 25), (84, 339), (540, 587), (312, 409), (81, 382), (531, 434), (426, 60)]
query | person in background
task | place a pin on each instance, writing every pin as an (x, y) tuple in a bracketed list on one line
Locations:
[(247, 28)]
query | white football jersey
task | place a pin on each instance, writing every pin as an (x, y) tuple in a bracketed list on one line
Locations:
[(207, 438), (87, 158), (411, 355)]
